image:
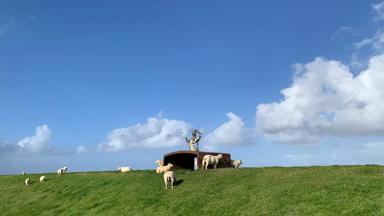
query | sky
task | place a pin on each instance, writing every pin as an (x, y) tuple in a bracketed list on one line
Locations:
[(98, 85)]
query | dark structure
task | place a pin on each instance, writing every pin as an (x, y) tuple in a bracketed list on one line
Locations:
[(192, 159)]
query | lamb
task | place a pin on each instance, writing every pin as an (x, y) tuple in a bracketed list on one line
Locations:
[(236, 163), (210, 159), (160, 162), (27, 181), (163, 169), (169, 177), (124, 169), (43, 179)]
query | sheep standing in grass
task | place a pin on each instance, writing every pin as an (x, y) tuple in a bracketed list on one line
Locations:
[(210, 159), (27, 181), (159, 162), (163, 169), (169, 177), (60, 171), (236, 163), (124, 169), (43, 179)]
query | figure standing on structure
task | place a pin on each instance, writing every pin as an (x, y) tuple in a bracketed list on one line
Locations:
[(194, 141)]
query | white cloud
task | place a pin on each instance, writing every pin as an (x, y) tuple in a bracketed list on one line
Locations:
[(37, 142), (379, 10), (376, 43), (231, 133), (325, 98), (157, 132)]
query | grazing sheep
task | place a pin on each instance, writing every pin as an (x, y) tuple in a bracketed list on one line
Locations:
[(162, 169), (124, 169), (210, 159), (236, 163), (160, 162), (27, 181), (43, 179), (170, 177)]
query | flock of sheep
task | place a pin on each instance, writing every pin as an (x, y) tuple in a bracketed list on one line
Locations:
[(168, 176), (60, 171)]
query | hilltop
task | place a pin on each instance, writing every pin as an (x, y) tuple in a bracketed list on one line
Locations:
[(334, 190)]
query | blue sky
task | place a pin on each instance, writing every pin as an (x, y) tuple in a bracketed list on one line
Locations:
[(78, 81)]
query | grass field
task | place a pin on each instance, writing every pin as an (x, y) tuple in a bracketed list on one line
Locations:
[(335, 190)]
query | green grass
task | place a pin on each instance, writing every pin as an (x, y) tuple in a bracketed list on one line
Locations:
[(335, 190)]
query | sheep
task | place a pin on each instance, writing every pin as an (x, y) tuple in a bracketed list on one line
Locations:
[(22, 173), (169, 176), (162, 169), (236, 163), (43, 179), (210, 159), (60, 171), (160, 162), (27, 181), (124, 169)]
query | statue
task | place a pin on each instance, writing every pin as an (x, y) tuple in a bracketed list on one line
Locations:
[(194, 141)]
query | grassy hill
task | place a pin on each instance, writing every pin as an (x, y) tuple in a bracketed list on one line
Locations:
[(335, 190)]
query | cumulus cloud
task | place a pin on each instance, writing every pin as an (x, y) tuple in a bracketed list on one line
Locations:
[(325, 98), (231, 133), (37, 142), (157, 132)]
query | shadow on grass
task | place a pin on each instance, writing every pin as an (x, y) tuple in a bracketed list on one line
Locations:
[(178, 181)]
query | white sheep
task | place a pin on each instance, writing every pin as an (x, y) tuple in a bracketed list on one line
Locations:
[(124, 169), (210, 159), (43, 179), (163, 169), (169, 177), (22, 173), (159, 162), (60, 171), (236, 163), (27, 181)]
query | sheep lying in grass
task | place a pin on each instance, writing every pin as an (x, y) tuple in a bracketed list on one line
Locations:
[(124, 169), (43, 178), (210, 159), (236, 163), (169, 177), (160, 163), (27, 181), (163, 169)]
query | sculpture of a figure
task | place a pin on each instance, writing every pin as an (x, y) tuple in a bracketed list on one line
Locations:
[(194, 141)]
